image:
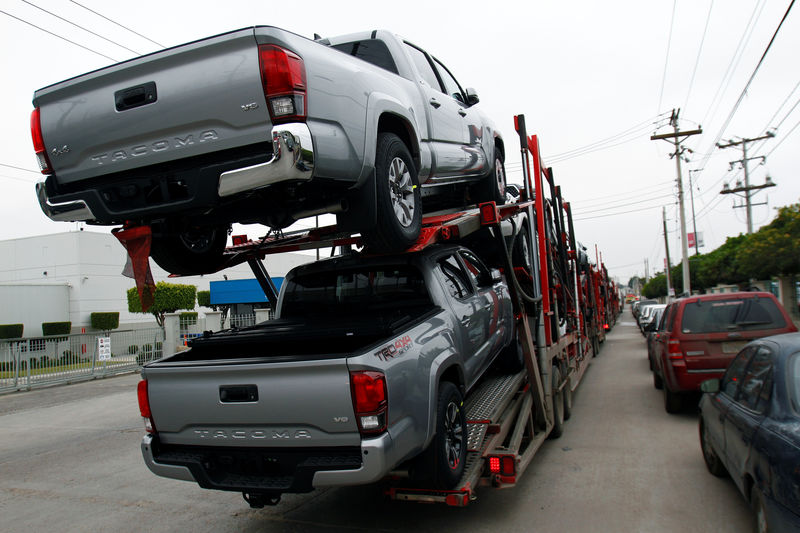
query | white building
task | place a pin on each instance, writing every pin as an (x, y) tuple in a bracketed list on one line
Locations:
[(67, 276)]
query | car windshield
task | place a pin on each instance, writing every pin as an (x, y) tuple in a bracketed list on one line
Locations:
[(378, 291), (735, 314)]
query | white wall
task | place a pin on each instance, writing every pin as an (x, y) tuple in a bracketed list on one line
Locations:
[(31, 305), (88, 265)]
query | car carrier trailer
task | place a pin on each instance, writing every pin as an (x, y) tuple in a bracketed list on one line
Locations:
[(559, 301)]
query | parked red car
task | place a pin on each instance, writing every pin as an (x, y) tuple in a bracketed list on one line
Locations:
[(700, 335)]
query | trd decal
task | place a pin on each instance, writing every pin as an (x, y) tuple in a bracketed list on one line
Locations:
[(396, 349)]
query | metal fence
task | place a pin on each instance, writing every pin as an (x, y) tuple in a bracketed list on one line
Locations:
[(243, 321), (34, 362)]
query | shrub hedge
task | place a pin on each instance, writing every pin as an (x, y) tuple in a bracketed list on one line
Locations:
[(105, 321), (11, 331), (56, 328)]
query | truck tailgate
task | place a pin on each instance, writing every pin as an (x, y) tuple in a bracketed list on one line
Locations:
[(264, 404), (183, 101)]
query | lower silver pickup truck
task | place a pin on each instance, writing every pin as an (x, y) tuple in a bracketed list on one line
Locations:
[(363, 370)]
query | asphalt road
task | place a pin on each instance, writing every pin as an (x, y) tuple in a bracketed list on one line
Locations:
[(70, 461)]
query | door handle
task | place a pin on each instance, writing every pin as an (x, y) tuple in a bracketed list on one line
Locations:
[(462, 112), (435, 103)]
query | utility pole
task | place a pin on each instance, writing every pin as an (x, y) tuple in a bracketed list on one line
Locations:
[(677, 138), (694, 222), (666, 247), (747, 187)]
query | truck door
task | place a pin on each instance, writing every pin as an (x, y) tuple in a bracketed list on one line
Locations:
[(475, 146), (448, 133), (471, 317)]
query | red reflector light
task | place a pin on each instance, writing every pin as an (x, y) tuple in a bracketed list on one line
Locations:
[(283, 77), (489, 213), (494, 465), (238, 240), (507, 466), (38, 142)]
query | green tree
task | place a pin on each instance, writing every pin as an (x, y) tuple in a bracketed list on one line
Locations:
[(656, 287), (775, 249), (168, 298)]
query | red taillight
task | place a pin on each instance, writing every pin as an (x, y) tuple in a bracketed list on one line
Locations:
[(494, 465), (38, 142), (503, 465), (369, 400), (674, 350), (144, 406), (283, 77), (238, 240), (489, 213)]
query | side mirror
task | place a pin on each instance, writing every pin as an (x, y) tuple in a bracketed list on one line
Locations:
[(710, 386), (472, 96)]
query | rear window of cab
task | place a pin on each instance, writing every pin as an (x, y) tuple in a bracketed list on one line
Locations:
[(734, 314)]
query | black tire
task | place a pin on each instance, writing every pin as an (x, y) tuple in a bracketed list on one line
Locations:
[(397, 197), (760, 520), (558, 407), (673, 401), (712, 460), (492, 187), (447, 453), (196, 250), (658, 383), (511, 359), (521, 252), (567, 401)]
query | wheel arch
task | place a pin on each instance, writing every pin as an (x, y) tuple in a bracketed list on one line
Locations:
[(390, 122)]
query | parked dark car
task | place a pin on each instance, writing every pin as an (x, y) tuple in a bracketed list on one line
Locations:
[(702, 334), (750, 428), (651, 332)]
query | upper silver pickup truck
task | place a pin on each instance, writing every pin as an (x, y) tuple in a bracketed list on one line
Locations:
[(364, 368), (261, 125)]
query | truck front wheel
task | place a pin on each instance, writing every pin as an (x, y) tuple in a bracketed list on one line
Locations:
[(398, 199)]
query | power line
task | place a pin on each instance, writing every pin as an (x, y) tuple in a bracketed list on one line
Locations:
[(637, 127), (624, 199), (699, 52), (20, 168), (583, 212), (117, 23), (784, 138), (620, 213), (29, 182), (81, 27), (56, 35), (666, 59), (752, 76)]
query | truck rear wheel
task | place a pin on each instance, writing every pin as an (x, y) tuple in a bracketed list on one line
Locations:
[(196, 250), (398, 199), (492, 187), (448, 452)]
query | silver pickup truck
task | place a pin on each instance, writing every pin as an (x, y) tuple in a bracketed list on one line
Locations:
[(261, 125), (364, 368)]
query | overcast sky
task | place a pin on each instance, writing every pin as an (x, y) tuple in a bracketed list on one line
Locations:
[(594, 79)]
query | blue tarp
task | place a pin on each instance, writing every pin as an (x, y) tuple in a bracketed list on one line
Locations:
[(239, 291)]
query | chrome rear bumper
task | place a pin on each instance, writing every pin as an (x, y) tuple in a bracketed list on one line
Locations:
[(72, 211), (292, 159)]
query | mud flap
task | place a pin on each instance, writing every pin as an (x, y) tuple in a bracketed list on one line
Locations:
[(137, 242), (361, 210)]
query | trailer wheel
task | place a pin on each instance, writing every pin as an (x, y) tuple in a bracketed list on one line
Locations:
[(398, 199), (446, 455), (492, 187), (194, 250), (567, 401), (558, 407)]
